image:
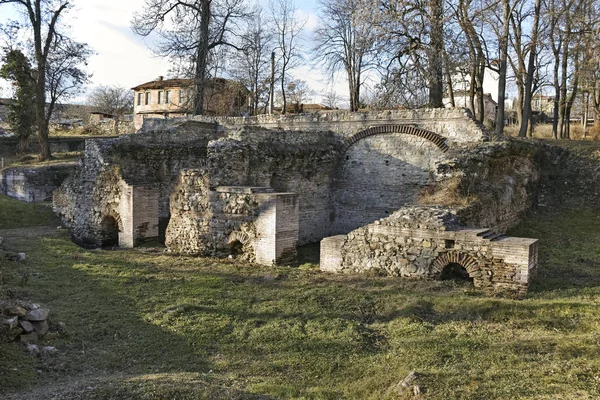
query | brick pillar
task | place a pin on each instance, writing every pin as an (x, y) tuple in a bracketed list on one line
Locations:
[(277, 228), (138, 209)]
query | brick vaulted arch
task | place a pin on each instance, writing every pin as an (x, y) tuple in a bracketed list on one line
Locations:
[(456, 257), (117, 218), (241, 237), (436, 139)]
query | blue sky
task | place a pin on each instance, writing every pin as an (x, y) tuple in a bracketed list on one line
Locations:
[(123, 58)]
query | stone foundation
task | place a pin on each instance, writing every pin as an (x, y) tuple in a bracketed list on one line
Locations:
[(420, 242)]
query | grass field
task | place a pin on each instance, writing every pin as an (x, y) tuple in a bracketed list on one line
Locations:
[(145, 325)]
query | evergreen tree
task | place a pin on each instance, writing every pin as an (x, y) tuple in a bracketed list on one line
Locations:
[(17, 69)]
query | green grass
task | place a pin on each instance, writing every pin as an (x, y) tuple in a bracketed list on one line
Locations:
[(31, 160), (14, 214), (153, 326)]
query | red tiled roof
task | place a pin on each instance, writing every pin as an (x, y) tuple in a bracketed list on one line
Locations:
[(164, 83)]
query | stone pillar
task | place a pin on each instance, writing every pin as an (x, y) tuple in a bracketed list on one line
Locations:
[(331, 253)]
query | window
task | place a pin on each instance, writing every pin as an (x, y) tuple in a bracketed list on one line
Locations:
[(181, 96), (139, 100), (160, 95), (167, 97), (147, 98)]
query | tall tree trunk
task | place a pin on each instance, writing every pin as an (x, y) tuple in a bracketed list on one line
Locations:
[(530, 70), (202, 58), (502, 69), (272, 84), (436, 50)]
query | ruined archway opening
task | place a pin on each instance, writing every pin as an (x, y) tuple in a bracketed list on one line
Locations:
[(236, 249), (109, 232), (455, 272)]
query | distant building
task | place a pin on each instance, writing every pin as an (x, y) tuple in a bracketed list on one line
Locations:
[(172, 98), (302, 108), (462, 99)]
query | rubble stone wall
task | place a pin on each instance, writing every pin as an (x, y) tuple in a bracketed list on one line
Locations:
[(419, 242), (455, 124), (33, 184)]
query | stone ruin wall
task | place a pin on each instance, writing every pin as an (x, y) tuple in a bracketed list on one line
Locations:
[(120, 179), (419, 242), (204, 175)]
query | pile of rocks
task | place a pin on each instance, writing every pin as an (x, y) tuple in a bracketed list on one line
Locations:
[(26, 322)]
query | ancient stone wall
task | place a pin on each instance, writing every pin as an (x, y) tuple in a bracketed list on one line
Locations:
[(33, 184), (455, 124), (420, 242), (118, 177), (214, 222), (379, 174), (492, 185)]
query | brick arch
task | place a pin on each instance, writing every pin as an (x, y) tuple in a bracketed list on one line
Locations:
[(456, 257), (241, 237), (436, 139), (115, 215)]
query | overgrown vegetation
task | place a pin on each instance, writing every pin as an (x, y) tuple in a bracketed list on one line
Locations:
[(145, 325)]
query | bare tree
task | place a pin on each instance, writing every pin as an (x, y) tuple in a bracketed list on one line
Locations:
[(189, 31), (252, 65), (115, 100), (345, 40), (298, 93), (42, 17), (287, 32), (331, 99), (530, 70)]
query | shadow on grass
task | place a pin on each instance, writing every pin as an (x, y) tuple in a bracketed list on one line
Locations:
[(569, 252)]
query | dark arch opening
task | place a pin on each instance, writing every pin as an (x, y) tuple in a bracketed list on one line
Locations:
[(109, 232), (455, 272), (236, 248)]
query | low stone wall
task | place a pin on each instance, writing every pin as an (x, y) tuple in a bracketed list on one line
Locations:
[(210, 222), (455, 124), (9, 145), (33, 184), (420, 242)]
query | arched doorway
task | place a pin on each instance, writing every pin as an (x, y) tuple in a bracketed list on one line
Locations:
[(109, 232), (455, 272), (457, 266)]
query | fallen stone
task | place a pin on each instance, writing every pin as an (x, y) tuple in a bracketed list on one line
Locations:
[(49, 350), (417, 390), (27, 326), (10, 323), (29, 338), (13, 334), (21, 256), (39, 314), (15, 311), (41, 327), (33, 349), (409, 379)]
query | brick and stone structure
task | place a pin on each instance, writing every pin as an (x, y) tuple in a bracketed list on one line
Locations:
[(258, 187), (428, 242)]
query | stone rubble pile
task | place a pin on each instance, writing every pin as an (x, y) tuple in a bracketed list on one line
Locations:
[(26, 323)]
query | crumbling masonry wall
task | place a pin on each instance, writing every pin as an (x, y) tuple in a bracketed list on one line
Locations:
[(419, 242)]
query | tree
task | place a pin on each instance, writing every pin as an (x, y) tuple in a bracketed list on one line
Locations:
[(65, 72), (412, 34), (21, 116), (530, 70), (190, 30), (299, 93), (252, 68), (287, 32), (331, 99), (115, 100), (43, 19), (345, 40)]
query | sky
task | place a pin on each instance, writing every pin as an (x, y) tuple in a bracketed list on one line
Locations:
[(123, 58)]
